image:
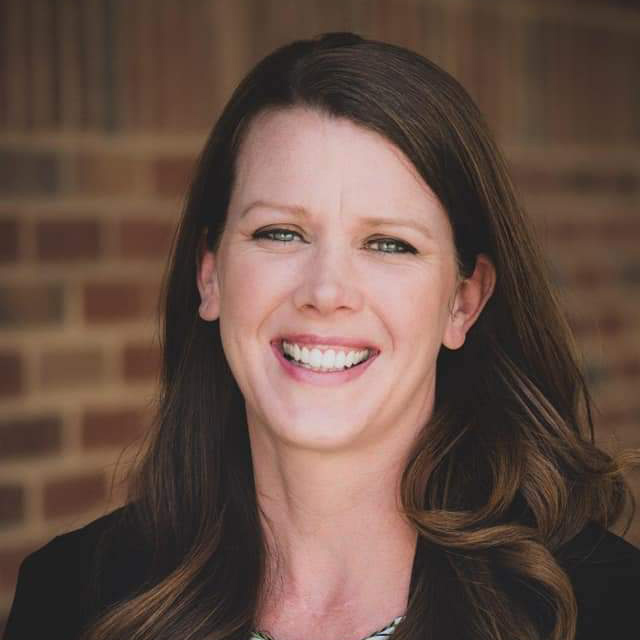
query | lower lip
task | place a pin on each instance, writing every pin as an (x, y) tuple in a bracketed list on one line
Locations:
[(326, 379)]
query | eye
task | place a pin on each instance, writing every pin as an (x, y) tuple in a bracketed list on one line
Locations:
[(270, 234), (389, 245), (392, 242)]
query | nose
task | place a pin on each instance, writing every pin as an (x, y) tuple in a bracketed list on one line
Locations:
[(328, 281)]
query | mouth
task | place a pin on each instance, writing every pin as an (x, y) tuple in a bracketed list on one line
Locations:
[(371, 352)]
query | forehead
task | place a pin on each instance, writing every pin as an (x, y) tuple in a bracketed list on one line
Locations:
[(308, 158)]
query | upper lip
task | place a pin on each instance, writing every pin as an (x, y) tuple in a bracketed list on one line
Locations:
[(310, 338)]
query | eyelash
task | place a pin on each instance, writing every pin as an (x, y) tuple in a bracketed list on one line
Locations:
[(264, 233)]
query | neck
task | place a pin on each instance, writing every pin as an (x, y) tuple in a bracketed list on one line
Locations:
[(338, 542)]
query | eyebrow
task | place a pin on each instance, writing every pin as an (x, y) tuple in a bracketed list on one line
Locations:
[(370, 220)]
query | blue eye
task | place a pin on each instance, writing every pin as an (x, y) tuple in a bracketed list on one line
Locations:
[(405, 248), (270, 234)]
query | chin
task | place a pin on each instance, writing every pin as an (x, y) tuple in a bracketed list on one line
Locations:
[(320, 437)]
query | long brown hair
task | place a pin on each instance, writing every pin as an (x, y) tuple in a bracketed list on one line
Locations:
[(505, 472)]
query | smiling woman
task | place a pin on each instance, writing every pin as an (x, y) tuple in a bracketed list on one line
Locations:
[(372, 416)]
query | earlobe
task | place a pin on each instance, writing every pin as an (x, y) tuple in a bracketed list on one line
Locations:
[(471, 296), (207, 282)]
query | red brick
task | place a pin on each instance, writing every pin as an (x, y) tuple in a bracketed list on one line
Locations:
[(145, 238), (629, 368), (141, 362), (8, 241), (58, 240), (11, 504), (10, 560), (630, 274), (107, 175), (565, 230), (590, 277), (119, 301), (28, 173), (610, 324), (71, 367), (611, 418), (627, 228), (112, 427), (74, 494), (579, 5), (537, 179), (173, 175), (31, 305), (11, 374), (29, 437)]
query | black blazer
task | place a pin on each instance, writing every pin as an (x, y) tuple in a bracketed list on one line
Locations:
[(60, 588)]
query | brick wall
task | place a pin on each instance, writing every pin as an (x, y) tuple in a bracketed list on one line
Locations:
[(104, 105)]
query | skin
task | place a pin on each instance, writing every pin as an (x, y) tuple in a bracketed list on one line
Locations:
[(328, 460)]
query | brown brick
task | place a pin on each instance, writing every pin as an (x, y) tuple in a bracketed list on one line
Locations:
[(116, 301), (28, 437), (564, 230), (630, 274), (112, 427), (580, 5), (141, 362), (620, 229), (172, 175), (58, 240), (8, 241), (107, 175), (537, 179), (10, 560), (71, 367), (11, 374), (11, 504), (608, 325), (629, 368), (31, 305), (588, 276), (613, 416), (74, 494), (145, 238), (28, 172)]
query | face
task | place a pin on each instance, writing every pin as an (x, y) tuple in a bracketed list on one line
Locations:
[(302, 253)]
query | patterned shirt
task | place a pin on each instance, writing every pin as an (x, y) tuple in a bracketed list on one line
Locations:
[(382, 633)]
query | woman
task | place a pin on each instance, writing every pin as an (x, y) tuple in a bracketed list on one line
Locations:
[(372, 418)]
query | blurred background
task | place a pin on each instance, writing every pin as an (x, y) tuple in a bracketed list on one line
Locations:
[(104, 106)]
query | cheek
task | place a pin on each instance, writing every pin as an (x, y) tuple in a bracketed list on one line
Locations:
[(409, 293), (415, 310), (250, 290)]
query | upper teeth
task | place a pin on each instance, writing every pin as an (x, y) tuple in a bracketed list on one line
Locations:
[(332, 358)]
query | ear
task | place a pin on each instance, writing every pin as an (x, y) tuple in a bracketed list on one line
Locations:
[(470, 297), (207, 280)]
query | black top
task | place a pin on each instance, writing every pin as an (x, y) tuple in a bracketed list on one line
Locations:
[(60, 588)]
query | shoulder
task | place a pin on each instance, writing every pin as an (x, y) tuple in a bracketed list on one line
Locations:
[(74, 575), (604, 570), (73, 544)]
